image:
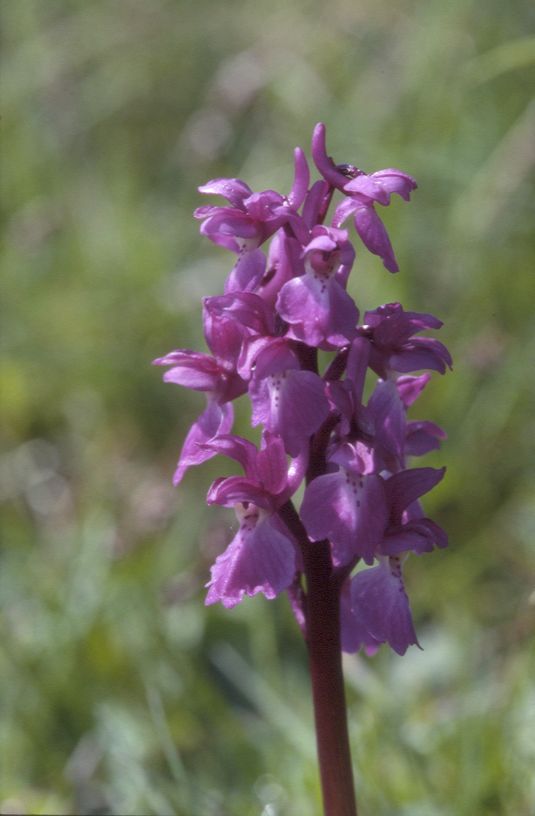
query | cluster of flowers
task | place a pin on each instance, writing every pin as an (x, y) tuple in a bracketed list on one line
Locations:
[(278, 309)]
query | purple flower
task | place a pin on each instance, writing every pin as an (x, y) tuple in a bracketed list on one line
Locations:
[(394, 437), (246, 313), (316, 305), (349, 509), (380, 605), (379, 186), (391, 331), (215, 420), (201, 372), (380, 431), (408, 529), (286, 400), (250, 220), (260, 558), (362, 192), (215, 375), (262, 555), (267, 467)]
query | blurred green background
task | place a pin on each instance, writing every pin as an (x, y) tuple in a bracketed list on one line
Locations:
[(121, 693)]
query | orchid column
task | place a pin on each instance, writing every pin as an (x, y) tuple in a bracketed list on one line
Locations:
[(340, 555)]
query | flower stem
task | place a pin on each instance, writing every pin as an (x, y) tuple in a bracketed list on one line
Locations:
[(325, 662), (322, 612)]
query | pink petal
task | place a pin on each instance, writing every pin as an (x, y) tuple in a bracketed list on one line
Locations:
[(403, 488), (246, 309), (422, 437), (395, 181), (375, 237), (420, 535), (227, 224), (272, 465), (379, 600), (410, 388), (275, 356), (346, 208), (237, 448), (320, 243), (237, 490), (247, 273), (388, 414), (233, 189), (192, 369), (283, 263), (423, 352), (301, 179), (297, 408), (262, 206), (259, 559), (365, 186), (348, 510), (314, 202), (318, 310), (224, 336), (323, 162), (353, 634), (215, 419)]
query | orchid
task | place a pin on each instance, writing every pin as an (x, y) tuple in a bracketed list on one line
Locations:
[(262, 557), (339, 555)]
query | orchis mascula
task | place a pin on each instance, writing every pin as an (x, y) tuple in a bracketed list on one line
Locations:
[(361, 500)]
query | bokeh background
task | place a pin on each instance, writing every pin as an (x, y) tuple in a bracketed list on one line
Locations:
[(121, 693)]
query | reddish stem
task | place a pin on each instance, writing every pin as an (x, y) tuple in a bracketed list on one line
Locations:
[(322, 612), (318, 448), (325, 661), (337, 366)]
